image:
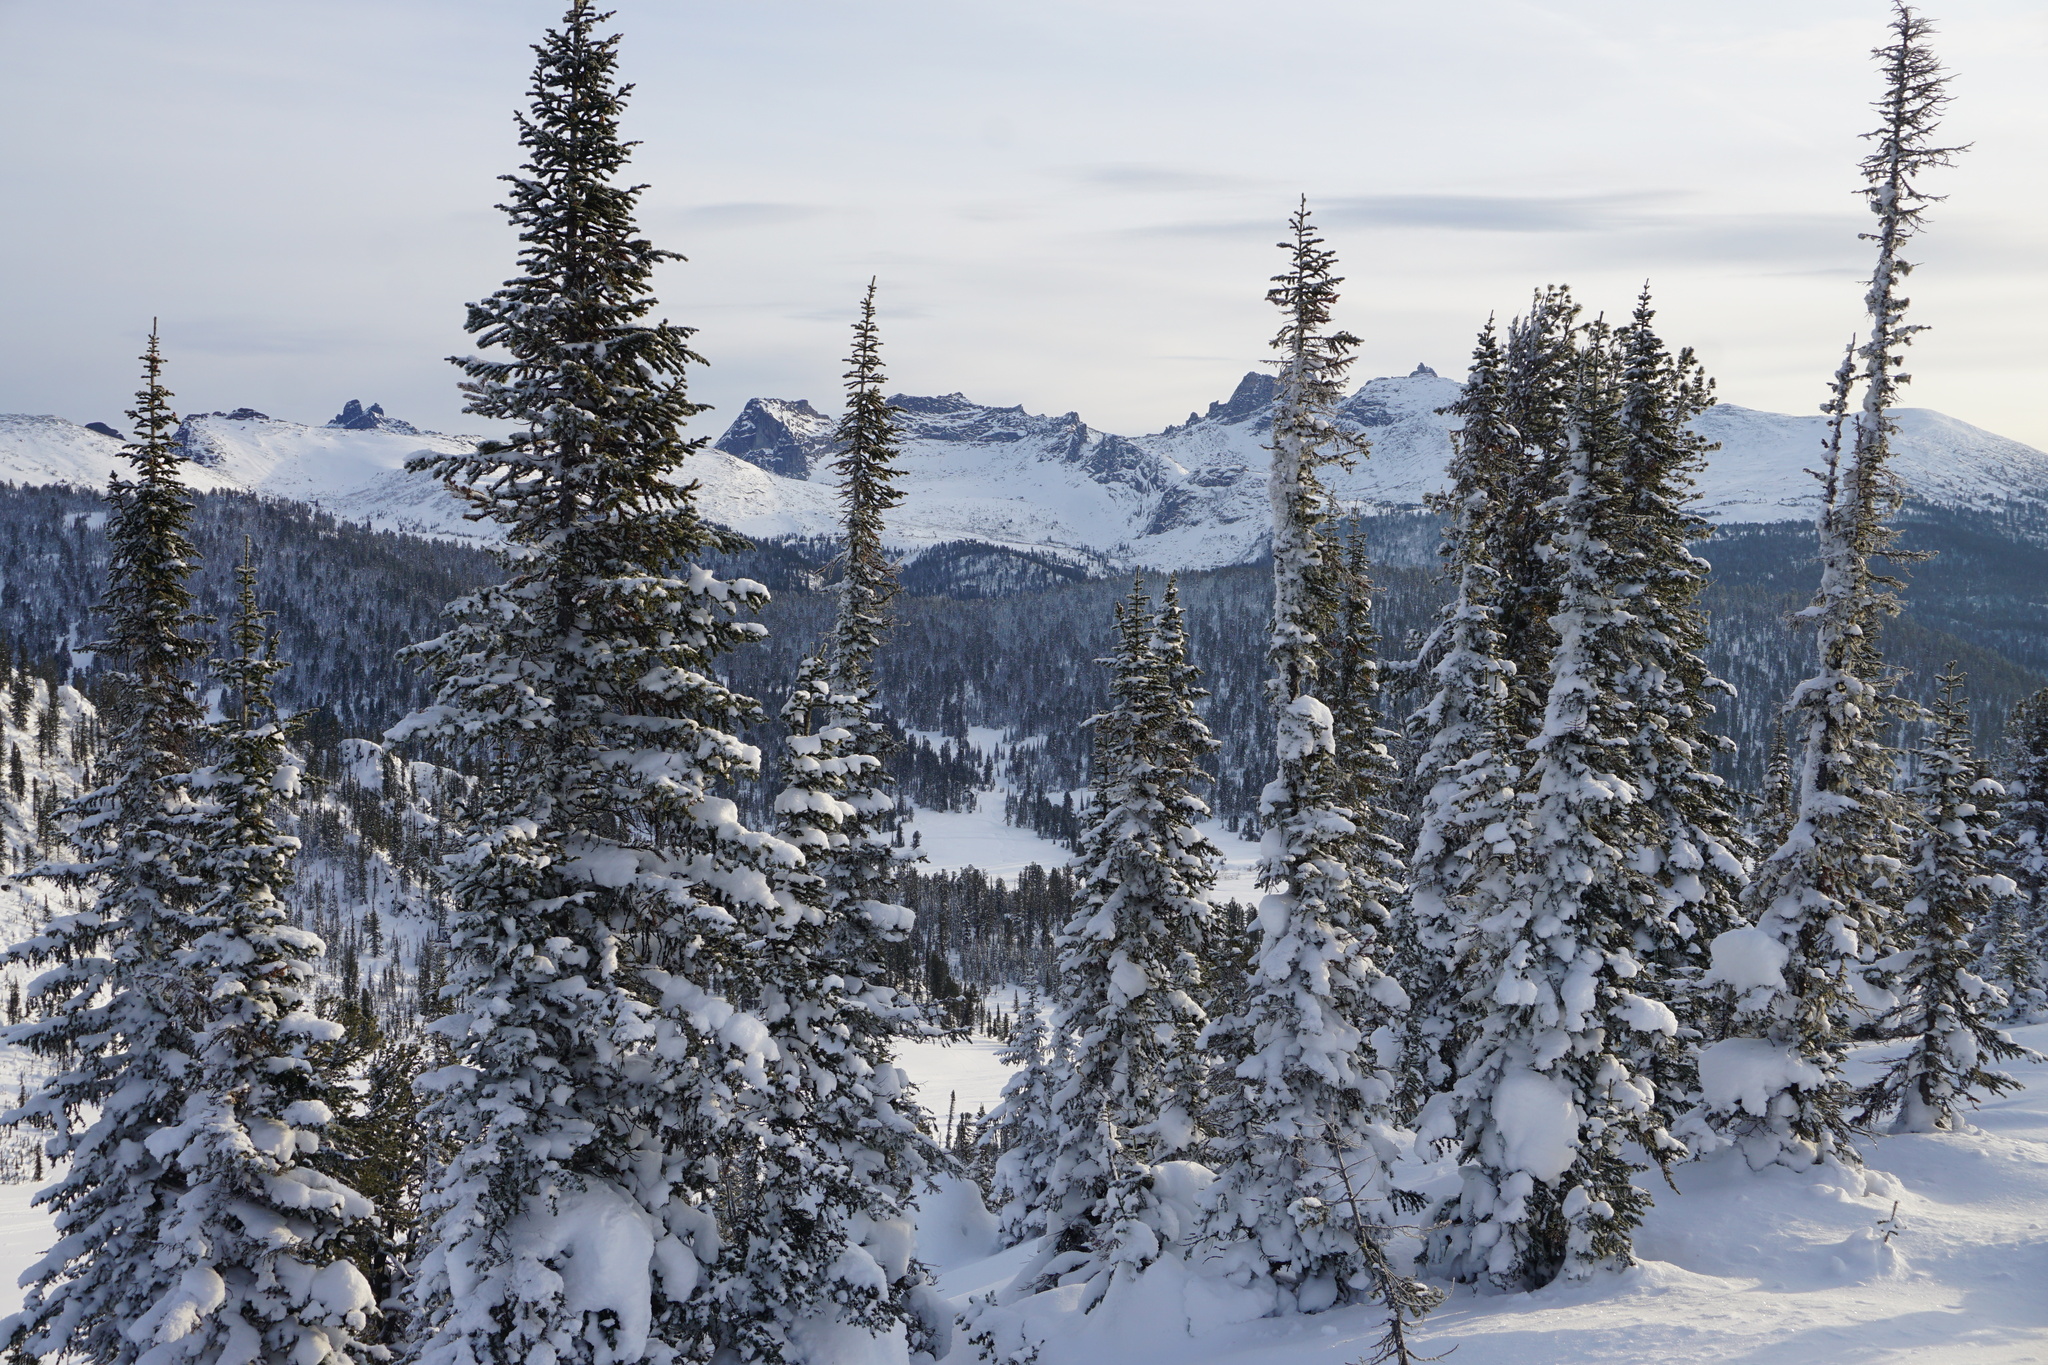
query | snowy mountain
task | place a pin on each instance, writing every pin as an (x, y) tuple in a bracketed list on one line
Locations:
[(1190, 496)]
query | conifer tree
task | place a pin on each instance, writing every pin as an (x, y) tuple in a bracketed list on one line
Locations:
[(1469, 763), (1551, 977), (256, 1233), (114, 1010), (1690, 837), (2013, 936), (1027, 1123), (844, 1152), (1823, 900), (1128, 959), (1366, 765), (859, 872), (1300, 1081), (604, 891), (824, 1233), (1945, 1008)]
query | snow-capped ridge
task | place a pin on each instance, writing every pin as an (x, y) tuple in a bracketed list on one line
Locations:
[(1191, 495)]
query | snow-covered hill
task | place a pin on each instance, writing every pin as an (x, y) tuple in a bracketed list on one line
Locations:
[(1190, 496), (1932, 1253)]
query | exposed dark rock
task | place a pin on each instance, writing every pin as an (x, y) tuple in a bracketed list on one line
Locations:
[(355, 417), (778, 435), (103, 429), (1253, 392), (944, 403)]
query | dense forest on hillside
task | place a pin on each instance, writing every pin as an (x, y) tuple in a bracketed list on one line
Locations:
[(965, 652)]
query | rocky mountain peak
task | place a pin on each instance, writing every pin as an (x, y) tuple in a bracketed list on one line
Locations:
[(785, 436), (355, 417)]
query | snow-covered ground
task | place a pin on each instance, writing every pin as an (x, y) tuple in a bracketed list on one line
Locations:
[(1779, 1267), (951, 840)]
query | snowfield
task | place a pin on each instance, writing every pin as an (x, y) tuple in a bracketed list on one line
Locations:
[(1735, 1266)]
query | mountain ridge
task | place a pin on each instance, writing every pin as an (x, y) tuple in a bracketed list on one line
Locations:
[(1191, 495)]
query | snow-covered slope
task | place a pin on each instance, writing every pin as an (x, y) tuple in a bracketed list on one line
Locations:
[(1933, 1253), (1193, 495), (1190, 496)]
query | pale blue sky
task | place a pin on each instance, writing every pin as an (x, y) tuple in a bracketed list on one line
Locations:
[(1070, 205)]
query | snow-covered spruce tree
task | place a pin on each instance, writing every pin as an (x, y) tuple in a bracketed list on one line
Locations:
[(1546, 1101), (827, 1232), (1300, 1078), (1691, 837), (2013, 936), (1128, 961), (114, 1010), (1536, 384), (824, 1234), (1366, 765), (1945, 1008), (1469, 762), (603, 892), (1824, 900), (1027, 1125), (255, 1236), (858, 869)]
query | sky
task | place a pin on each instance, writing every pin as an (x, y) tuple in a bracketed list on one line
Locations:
[(1069, 204)]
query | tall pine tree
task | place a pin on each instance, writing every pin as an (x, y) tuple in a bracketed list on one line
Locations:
[(844, 1153), (1301, 1081), (1547, 1103), (1945, 1009), (1128, 960), (605, 892), (1688, 835), (257, 1233), (114, 1010), (1824, 899), (1468, 762), (2013, 938)]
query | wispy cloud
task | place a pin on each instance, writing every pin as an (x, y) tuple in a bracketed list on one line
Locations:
[(1498, 212), (1145, 178), (745, 215)]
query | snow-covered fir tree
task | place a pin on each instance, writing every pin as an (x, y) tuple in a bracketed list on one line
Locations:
[(1026, 1124), (1824, 901), (1547, 1105), (114, 1009), (1364, 746), (1945, 1008), (1690, 840), (1468, 762), (1303, 1066), (1535, 390), (822, 1233), (1129, 959), (604, 892), (858, 868), (255, 1235), (827, 1232), (2013, 937)]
